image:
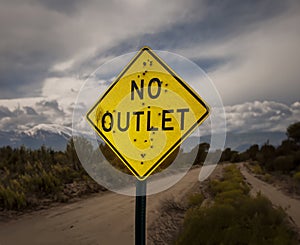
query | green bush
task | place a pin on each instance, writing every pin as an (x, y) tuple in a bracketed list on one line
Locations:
[(297, 160), (30, 177), (296, 177), (232, 197), (233, 180), (195, 199), (267, 178), (254, 221), (235, 217), (284, 163), (10, 199), (257, 169)]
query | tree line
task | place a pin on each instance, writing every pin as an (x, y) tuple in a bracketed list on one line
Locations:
[(284, 158)]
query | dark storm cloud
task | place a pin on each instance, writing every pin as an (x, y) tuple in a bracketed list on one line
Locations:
[(25, 117), (5, 112), (22, 78), (65, 6), (29, 46), (21, 118), (38, 37), (51, 105), (29, 110), (220, 20)]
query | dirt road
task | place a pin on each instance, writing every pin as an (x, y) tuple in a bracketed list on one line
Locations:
[(103, 219), (292, 206)]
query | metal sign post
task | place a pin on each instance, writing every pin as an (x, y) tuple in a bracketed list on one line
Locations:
[(140, 212)]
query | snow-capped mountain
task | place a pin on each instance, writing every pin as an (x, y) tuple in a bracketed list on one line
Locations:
[(50, 135), (50, 128), (57, 136)]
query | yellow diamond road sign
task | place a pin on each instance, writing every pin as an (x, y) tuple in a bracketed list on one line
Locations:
[(146, 113)]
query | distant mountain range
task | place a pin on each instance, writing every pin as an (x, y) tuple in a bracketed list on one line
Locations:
[(56, 137), (50, 135), (241, 141)]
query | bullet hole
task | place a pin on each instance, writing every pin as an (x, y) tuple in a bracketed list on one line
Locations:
[(166, 85), (153, 132), (142, 163), (144, 63), (144, 73), (134, 140), (151, 139), (138, 76), (143, 103), (114, 131), (166, 91), (149, 106), (145, 141), (159, 114), (151, 146), (143, 155)]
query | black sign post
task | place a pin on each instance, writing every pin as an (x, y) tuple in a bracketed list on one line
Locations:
[(140, 213)]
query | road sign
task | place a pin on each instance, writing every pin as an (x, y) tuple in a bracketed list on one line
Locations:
[(147, 113)]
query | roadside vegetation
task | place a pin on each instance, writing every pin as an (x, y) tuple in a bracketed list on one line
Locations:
[(30, 179), (272, 164), (233, 216)]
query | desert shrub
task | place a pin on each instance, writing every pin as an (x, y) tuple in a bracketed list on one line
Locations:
[(267, 178), (233, 180), (257, 169), (195, 199), (10, 199), (296, 177), (284, 163), (254, 221), (223, 186), (235, 217), (30, 177), (232, 197), (235, 157), (297, 159)]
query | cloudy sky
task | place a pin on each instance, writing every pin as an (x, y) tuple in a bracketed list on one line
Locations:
[(250, 49)]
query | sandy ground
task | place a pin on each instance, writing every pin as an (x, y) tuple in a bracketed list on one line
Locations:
[(102, 219), (290, 205)]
